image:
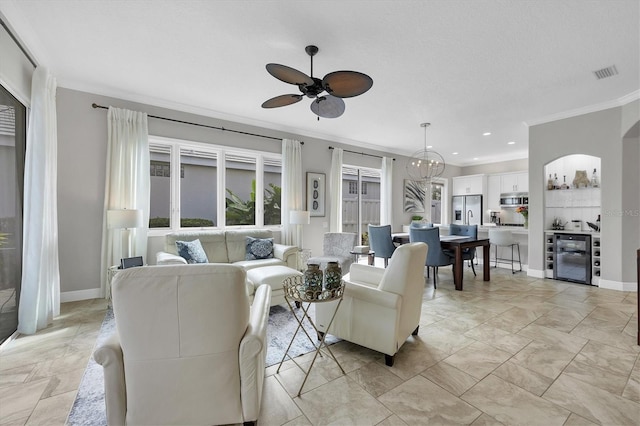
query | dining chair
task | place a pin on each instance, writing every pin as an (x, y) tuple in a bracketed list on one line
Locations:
[(435, 255), (381, 242), (504, 238), (469, 231)]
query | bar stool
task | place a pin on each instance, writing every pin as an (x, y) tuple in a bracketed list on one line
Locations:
[(504, 238)]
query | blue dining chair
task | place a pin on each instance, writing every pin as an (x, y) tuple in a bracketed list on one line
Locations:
[(469, 231), (421, 225), (435, 255), (381, 242)]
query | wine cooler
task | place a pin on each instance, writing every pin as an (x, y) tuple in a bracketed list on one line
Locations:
[(572, 258)]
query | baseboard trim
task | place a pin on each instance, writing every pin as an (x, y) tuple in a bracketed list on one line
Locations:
[(74, 296), (618, 285), (536, 273)]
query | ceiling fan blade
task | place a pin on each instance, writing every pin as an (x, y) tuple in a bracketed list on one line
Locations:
[(346, 84), (327, 106), (289, 75), (282, 100)]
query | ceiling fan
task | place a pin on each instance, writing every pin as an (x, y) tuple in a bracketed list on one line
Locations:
[(337, 85)]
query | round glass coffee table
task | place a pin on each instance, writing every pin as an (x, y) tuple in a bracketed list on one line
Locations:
[(296, 292)]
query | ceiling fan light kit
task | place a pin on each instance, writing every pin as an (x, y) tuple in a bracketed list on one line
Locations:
[(337, 85)]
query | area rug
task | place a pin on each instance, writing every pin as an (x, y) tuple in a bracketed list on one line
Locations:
[(89, 409)]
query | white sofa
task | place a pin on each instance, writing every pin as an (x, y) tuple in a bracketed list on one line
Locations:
[(229, 246), (189, 349)]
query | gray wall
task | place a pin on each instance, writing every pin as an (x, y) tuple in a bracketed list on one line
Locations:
[(82, 140), (599, 134)]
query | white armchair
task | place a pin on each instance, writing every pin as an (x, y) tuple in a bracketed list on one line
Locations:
[(189, 349), (380, 307)]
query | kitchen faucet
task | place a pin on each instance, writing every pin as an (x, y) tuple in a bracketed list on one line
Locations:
[(469, 215)]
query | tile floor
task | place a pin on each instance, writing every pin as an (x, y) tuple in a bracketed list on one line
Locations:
[(516, 350)]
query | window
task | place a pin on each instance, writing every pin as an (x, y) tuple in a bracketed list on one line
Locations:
[(216, 186), (360, 209)]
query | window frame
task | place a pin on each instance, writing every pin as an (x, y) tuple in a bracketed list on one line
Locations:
[(221, 151)]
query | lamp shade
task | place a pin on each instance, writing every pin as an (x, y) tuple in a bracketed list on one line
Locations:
[(299, 217), (124, 218)]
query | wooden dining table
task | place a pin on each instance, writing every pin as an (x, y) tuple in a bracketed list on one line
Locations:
[(457, 244)]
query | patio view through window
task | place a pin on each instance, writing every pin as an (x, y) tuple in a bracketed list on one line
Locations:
[(212, 186), (360, 200)]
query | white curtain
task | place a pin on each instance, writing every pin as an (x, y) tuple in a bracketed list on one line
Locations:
[(126, 184), (40, 292), (292, 190), (386, 183), (335, 189)]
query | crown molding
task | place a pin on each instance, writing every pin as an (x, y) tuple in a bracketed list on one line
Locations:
[(635, 95)]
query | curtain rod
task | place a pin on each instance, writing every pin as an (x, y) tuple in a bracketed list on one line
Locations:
[(94, 105), (361, 153)]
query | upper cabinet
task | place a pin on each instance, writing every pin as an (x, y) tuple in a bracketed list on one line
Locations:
[(469, 185), (514, 182), (494, 189)]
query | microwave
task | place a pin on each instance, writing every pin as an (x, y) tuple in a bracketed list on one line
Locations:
[(514, 199)]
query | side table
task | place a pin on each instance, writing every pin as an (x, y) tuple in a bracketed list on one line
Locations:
[(296, 291), (371, 254)]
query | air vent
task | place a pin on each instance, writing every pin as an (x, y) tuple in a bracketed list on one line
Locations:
[(606, 72)]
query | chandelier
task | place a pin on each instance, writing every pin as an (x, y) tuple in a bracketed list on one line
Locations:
[(424, 165)]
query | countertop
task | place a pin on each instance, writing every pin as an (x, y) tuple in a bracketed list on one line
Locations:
[(570, 231)]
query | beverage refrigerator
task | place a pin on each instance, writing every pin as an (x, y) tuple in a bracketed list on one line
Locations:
[(572, 258)]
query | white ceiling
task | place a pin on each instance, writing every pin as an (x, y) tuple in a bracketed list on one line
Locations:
[(468, 67)]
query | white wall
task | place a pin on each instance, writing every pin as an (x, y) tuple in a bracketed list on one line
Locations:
[(599, 134), (499, 167)]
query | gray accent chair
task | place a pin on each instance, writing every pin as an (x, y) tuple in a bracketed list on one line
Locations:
[(336, 247)]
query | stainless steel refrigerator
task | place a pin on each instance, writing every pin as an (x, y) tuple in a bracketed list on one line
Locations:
[(466, 209)]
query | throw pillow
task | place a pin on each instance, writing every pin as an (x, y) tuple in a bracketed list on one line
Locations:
[(192, 251), (259, 248)]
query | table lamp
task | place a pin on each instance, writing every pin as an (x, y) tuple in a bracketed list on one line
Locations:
[(299, 218), (124, 219)]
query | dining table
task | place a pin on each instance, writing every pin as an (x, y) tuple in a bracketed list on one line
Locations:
[(457, 244)]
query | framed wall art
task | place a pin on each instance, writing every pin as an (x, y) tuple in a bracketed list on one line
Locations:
[(316, 184), (414, 196)]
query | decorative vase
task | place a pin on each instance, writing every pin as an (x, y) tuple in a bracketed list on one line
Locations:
[(526, 223), (332, 276), (313, 281)]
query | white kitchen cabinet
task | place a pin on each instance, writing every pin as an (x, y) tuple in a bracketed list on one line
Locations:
[(494, 188), (469, 185), (514, 182)]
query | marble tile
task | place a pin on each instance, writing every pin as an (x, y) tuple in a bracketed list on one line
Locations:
[(576, 420), (561, 319), (547, 359), (375, 378), (632, 389), (514, 319), (592, 403), (349, 404), (443, 340), (498, 338), (520, 376), (511, 404), (478, 359), (419, 401), (486, 420), (277, 407), (18, 401), (608, 337), (292, 378), (413, 358), (567, 341), (52, 410), (450, 378), (63, 382), (392, 420), (298, 421), (16, 375)]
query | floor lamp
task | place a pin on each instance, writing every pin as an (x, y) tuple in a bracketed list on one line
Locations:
[(299, 218), (124, 219)]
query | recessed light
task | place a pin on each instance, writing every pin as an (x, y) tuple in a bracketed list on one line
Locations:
[(454, 153), (511, 143), (475, 158), (486, 134), (429, 146)]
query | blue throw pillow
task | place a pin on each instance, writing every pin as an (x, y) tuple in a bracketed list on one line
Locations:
[(192, 251), (259, 248)]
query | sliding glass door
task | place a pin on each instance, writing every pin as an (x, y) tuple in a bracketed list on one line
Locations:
[(12, 147), (360, 200)]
